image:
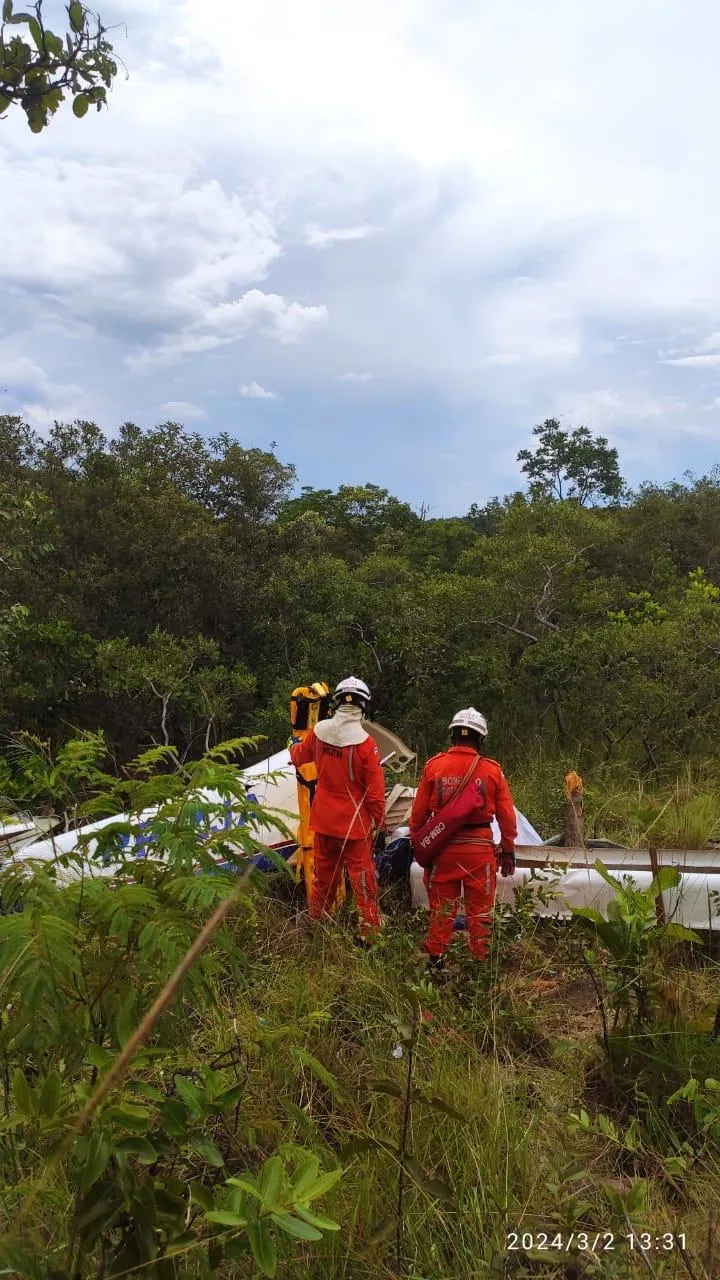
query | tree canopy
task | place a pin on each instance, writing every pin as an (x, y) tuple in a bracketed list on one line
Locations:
[(166, 587)]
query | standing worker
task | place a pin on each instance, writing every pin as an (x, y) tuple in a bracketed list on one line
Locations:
[(349, 798), (467, 862)]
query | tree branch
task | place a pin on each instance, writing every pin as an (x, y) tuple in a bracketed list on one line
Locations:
[(359, 629)]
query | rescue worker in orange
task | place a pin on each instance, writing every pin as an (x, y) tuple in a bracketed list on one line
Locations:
[(468, 863), (349, 800)]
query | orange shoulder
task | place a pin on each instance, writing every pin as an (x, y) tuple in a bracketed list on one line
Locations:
[(494, 765)]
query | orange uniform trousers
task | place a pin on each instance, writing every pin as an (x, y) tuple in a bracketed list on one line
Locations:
[(469, 869), (333, 854)]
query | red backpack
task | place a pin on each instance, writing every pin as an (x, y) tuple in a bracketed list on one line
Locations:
[(467, 807)]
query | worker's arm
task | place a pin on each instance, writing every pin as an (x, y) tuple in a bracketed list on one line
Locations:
[(422, 804), (374, 785), (303, 752), (505, 814)]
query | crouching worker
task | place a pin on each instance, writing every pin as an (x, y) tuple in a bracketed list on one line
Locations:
[(349, 800), (460, 792)]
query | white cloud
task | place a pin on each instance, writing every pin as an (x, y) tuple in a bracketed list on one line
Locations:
[(182, 411), (514, 216), (710, 361), (351, 376), (253, 391), (626, 414), (225, 322), (27, 389), (319, 238)]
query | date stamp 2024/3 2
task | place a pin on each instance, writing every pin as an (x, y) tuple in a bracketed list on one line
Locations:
[(593, 1242)]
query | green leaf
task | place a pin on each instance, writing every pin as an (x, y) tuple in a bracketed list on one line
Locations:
[(190, 1094), (19, 1261), (245, 1184), (305, 1177), (146, 1090), (587, 913), (36, 33), (615, 1200), (50, 1095), (99, 1057), (439, 1104), (129, 1116), (636, 1198), (296, 1227), (174, 1116), (54, 44), (271, 1180), (360, 1147), (207, 1149), (98, 1152), (229, 1097), (322, 1186), (202, 1196), (11, 1122), (263, 1248), (316, 1219), (24, 1096), (666, 878), (138, 1149), (125, 1025), (7, 10), (387, 1086), (382, 1233), (76, 15), (439, 1190), (433, 1187), (611, 880), (80, 105), (225, 1218), (678, 933)]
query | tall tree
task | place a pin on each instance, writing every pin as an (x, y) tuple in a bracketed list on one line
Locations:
[(571, 464)]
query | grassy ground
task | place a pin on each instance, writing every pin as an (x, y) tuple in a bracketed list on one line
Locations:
[(515, 1050)]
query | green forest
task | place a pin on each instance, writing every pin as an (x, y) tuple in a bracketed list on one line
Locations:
[(197, 1083), (162, 587)]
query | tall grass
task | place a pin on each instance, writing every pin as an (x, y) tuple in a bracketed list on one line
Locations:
[(508, 1048), (680, 811)]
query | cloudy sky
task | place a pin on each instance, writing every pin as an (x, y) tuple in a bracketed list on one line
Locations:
[(389, 236)]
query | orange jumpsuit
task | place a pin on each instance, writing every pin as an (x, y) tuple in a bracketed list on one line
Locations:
[(349, 798), (467, 863)]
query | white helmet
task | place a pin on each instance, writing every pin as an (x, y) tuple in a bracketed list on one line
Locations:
[(470, 719), (352, 690)]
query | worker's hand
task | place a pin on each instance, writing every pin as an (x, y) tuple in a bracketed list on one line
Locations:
[(293, 741), (380, 841), (506, 862)]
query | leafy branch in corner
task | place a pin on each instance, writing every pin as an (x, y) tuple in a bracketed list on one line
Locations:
[(38, 68)]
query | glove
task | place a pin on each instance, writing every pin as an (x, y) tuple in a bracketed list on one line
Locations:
[(506, 862), (293, 741), (379, 842)]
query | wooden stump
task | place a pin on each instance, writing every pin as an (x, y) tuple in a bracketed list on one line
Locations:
[(573, 830)]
